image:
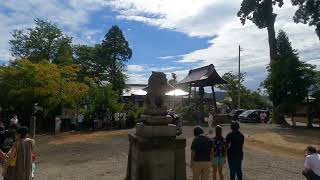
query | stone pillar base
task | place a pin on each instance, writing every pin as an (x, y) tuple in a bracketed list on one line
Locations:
[(156, 131), (161, 158)]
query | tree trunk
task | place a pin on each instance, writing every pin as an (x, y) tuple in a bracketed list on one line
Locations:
[(309, 116), (272, 42), (270, 20), (278, 116), (293, 121)]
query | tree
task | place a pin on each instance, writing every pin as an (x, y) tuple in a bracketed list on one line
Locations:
[(231, 87), (260, 12), (308, 12), (288, 80), (173, 81), (249, 100), (42, 42), (89, 59), (64, 54), (114, 53), (24, 83)]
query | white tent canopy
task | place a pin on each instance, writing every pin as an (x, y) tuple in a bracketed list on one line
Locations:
[(177, 92), (139, 92)]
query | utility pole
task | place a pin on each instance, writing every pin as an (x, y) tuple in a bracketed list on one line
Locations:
[(239, 80)]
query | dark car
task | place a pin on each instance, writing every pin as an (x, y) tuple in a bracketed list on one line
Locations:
[(234, 114), (253, 116)]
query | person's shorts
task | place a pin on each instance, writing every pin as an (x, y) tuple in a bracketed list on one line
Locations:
[(218, 161)]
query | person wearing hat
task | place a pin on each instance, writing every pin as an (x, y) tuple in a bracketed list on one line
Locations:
[(201, 153), (235, 141)]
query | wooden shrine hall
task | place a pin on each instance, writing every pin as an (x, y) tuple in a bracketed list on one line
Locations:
[(206, 76)]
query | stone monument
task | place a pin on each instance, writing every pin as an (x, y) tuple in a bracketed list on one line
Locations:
[(155, 153)]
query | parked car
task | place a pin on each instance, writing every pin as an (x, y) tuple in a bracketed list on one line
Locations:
[(234, 114), (253, 116)]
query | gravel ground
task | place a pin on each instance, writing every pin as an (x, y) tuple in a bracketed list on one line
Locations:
[(105, 158)]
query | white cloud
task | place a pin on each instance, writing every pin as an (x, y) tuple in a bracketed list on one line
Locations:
[(168, 57), (202, 18), (218, 18), (137, 78), (195, 18), (223, 52), (70, 15), (140, 73), (135, 68)]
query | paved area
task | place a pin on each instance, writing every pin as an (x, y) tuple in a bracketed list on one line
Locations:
[(103, 156)]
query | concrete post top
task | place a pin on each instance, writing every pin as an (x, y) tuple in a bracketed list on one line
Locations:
[(157, 143)]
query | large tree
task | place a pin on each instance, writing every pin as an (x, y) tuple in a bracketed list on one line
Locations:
[(114, 53), (308, 12), (173, 81), (45, 41), (288, 80), (249, 99), (24, 83), (90, 60), (261, 13)]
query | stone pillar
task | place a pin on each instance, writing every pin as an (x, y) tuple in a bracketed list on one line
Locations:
[(201, 99), (155, 153)]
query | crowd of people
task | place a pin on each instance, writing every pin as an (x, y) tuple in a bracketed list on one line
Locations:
[(212, 153), (96, 121), (17, 151)]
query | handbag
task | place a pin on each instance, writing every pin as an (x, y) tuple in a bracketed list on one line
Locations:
[(13, 161)]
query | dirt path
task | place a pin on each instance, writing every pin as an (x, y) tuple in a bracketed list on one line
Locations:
[(103, 155)]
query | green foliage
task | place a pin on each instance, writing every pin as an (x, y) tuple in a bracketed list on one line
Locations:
[(88, 58), (173, 81), (105, 62), (289, 79), (49, 71), (260, 12), (115, 52), (24, 83), (231, 88), (134, 113), (308, 12), (249, 100), (103, 98), (42, 42)]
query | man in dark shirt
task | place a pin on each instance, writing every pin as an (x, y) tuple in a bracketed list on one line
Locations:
[(202, 149), (235, 141)]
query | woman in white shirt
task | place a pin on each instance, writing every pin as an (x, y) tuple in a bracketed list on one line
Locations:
[(312, 164), (210, 123)]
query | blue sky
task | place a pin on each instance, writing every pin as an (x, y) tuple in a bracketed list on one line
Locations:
[(166, 35)]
